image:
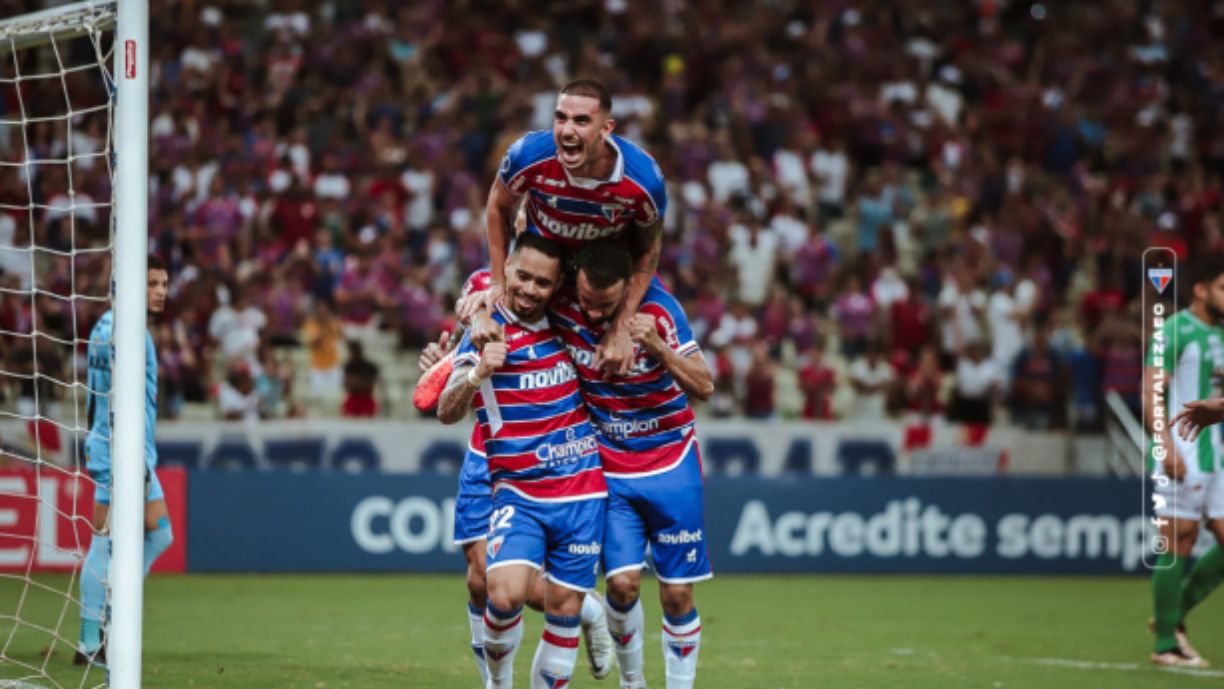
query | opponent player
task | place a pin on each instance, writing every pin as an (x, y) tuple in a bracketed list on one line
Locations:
[(548, 489), (649, 452), (1188, 353), (582, 183), (473, 508), (158, 534)]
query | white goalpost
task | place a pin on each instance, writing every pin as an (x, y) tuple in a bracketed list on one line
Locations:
[(73, 242)]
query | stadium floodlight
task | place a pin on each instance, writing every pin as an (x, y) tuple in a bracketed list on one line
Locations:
[(74, 143)]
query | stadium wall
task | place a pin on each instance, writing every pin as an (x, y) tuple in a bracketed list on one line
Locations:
[(729, 447), (288, 522)]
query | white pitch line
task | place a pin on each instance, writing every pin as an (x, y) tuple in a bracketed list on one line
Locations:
[(1122, 667), (18, 684)]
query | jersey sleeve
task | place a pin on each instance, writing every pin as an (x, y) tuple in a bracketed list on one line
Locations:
[(672, 326), (649, 177), (476, 282), (524, 153), (466, 353)]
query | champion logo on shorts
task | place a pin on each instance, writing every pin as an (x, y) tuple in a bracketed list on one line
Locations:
[(554, 681), (682, 649), (495, 546)]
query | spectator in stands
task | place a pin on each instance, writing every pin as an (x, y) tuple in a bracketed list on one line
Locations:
[(978, 385), (361, 379), (924, 389), (759, 383), (1037, 378), (322, 334), (237, 326), (854, 312), (818, 382), (238, 398), (872, 379)]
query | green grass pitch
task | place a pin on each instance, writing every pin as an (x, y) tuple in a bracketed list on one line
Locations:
[(375, 631)]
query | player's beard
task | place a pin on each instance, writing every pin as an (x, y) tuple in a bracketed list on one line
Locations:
[(1215, 313), (533, 310)]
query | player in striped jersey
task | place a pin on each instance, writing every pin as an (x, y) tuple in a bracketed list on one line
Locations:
[(473, 509), (650, 456), (548, 487), (1186, 358), (580, 183)]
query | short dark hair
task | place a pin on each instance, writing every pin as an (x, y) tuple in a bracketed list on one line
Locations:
[(1205, 269), (531, 240), (604, 263), (155, 263), (591, 89)]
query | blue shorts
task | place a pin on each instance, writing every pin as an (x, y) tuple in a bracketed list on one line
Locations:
[(665, 511), (562, 538), (102, 486), (474, 502)]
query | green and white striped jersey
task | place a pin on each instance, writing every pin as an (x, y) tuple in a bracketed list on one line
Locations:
[(1191, 353)]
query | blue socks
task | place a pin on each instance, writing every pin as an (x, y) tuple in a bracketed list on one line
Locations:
[(93, 592), (156, 542), (93, 578)]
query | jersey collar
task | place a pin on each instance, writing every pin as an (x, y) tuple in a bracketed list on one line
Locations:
[(618, 171), (538, 324)]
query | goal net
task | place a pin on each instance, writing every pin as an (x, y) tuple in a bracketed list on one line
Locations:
[(58, 96)]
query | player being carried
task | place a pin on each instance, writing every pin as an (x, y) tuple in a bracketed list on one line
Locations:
[(649, 451), (474, 507), (158, 534), (548, 488), (580, 183), (1188, 353)]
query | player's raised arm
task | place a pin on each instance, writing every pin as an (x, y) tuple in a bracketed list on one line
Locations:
[(691, 371), (466, 380), (499, 219)]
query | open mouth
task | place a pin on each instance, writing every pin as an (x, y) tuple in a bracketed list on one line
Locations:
[(570, 152)]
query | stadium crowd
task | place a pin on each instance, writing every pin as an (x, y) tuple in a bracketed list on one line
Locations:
[(925, 208)]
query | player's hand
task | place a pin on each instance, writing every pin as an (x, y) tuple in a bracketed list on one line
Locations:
[(483, 330), (1195, 417), (614, 356), (642, 330), (1175, 466), (433, 352), (469, 306), (494, 294), (492, 357)]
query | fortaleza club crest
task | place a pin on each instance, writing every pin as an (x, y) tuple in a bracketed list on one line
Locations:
[(1160, 277), (554, 681), (495, 546), (682, 649)]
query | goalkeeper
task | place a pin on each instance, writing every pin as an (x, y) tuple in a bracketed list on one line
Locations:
[(158, 535)]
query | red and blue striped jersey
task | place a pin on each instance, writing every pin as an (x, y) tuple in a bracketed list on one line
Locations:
[(572, 210), (538, 436), (645, 421)]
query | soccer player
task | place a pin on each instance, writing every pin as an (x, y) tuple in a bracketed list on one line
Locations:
[(158, 534), (548, 488), (582, 183), (473, 508), (649, 451), (1187, 358)]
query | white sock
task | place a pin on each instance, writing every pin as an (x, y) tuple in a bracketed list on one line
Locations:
[(592, 609), (503, 634), (626, 626), (558, 651), (476, 623), (681, 643)]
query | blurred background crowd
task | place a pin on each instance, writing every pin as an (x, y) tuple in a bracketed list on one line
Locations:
[(921, 209)]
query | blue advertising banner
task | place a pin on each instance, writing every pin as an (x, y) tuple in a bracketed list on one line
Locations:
[(324, 521)]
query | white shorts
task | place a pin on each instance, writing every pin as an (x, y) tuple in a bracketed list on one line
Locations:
[(1199, 495)]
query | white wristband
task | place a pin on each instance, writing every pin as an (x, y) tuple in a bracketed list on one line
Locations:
[(473, 379)]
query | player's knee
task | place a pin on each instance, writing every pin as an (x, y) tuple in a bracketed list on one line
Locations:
[(624, 588), (676, 599), (477, 588)]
